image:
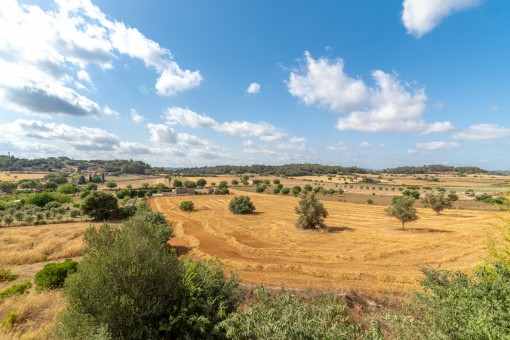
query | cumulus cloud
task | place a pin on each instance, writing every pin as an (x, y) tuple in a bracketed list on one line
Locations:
[(162, 134), (325, 83), (482, 131), (437, 146), (365, 144), (136, 117), (254, 88), (422, 16), (186, 117), (46, 54), (109, 112), (264, 131), (338, 146), (388, 106), (81, 138)]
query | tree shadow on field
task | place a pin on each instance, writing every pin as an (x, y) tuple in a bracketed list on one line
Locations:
[(338, 229), (181, 250), (256, 213), (423, 230)]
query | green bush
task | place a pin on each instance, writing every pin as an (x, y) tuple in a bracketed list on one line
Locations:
[(222, 191), (53, 275), (17, 289), (285, 316), (260, 189), (127, 284), (187, 206), (99, 205), (6, 275), (206, 299), (68, 188), (241, 205)]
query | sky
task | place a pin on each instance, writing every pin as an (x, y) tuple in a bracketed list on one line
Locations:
[(185, 83)]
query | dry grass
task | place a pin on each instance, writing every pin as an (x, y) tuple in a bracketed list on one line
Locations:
[(136, 181), (16, 176), (364, 249), (35, 315), (25, 250)]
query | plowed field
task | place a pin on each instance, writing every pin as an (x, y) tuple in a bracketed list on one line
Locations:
[(364, 249)]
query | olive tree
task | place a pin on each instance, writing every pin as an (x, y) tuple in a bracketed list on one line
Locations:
[(311, 213), (99, 205), (437, 202), (402, 209)]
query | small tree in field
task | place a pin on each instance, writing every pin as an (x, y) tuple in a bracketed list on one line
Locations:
[(111, 184), (187, 206), (437, 202), (402, 209), (99, 205), (311, 213), (241, 205), (201, 182)]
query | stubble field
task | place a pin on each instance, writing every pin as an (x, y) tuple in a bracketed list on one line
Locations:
[(363, 248)]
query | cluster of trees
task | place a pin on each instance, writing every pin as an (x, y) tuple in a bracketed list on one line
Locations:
[(120, 166), (433, 169), (266, 170)]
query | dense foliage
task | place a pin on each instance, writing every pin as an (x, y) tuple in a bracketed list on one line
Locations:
[(311, 213), (99, 205), (53, 275), (187, 206), (437, 202), (434, 168), (241, 205), (285, 316), (130, 285)]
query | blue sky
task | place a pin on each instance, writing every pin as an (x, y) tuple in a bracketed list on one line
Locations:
[(189, 83)]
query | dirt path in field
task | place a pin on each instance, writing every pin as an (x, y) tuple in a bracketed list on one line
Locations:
[(363, 250)]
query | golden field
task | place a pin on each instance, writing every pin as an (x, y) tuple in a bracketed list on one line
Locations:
[(363, 250), (18, 176)]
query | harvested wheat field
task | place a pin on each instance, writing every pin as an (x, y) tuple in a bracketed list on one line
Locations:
[(18, 176), (364, 249)]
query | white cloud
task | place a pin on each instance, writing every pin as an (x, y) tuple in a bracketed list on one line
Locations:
[(81, 139), (482, 131), (186, 139), (298, 140), (248, 143), (46, 52), (412, 152), (162, 134), (259, 151), (389, 106), (438, 127), (339, 146), (392, 108), (326, 84), (254, 88), (422, 16), (136, 117), (262, 130), (109, 112), (437, 146), (185, 117), (365, 144)]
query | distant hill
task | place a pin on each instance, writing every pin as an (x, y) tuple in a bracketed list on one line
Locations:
[(434, 169), (11, 163), (278, 170)]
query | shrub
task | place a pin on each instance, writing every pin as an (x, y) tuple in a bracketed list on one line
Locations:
[(122, 193), (285, 316), (201, 182), (6, 275), (68, 188), (235, 182), (311, 213), (91, 186), (74, 213), (276, 181), (39, 198), (308, 187), (223, 184), (53, 275), (187, 206), (206, 299), (296, 190), (241, 205), (190, 184), (260, 189), (285, 191), (437, 202), (111, 184), (18, 289), (370, 201), (276, 190), (221, 191)]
